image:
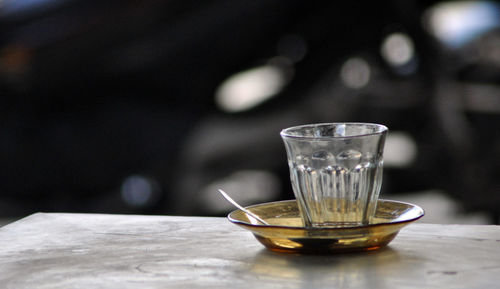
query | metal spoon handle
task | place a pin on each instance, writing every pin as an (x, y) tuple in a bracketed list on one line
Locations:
[(228, 198)]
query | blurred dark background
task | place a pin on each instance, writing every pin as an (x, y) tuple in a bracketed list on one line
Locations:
[(148, 107)]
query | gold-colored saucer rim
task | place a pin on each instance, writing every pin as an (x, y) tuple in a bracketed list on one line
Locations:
[(412, 206)]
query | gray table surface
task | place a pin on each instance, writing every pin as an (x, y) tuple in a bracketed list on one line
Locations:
[(131, 251)]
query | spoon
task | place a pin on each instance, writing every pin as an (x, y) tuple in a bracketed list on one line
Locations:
[(228, 198)]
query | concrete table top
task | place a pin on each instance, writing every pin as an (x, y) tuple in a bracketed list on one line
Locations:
[(131, 251)]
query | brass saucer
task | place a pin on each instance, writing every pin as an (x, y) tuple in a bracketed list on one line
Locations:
[(286, 232)]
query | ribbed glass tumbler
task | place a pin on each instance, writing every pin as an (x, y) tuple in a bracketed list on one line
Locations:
[(336, 171)]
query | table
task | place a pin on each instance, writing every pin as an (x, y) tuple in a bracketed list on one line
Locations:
[(60, 250)]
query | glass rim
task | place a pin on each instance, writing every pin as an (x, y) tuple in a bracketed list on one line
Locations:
[(286, 133)]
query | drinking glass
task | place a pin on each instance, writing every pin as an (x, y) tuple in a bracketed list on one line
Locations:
[(336, 171)]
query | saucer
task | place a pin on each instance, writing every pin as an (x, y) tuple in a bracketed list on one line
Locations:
[(286, 232)]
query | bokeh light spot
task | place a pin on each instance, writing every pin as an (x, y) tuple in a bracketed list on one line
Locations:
[(355, 73)]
